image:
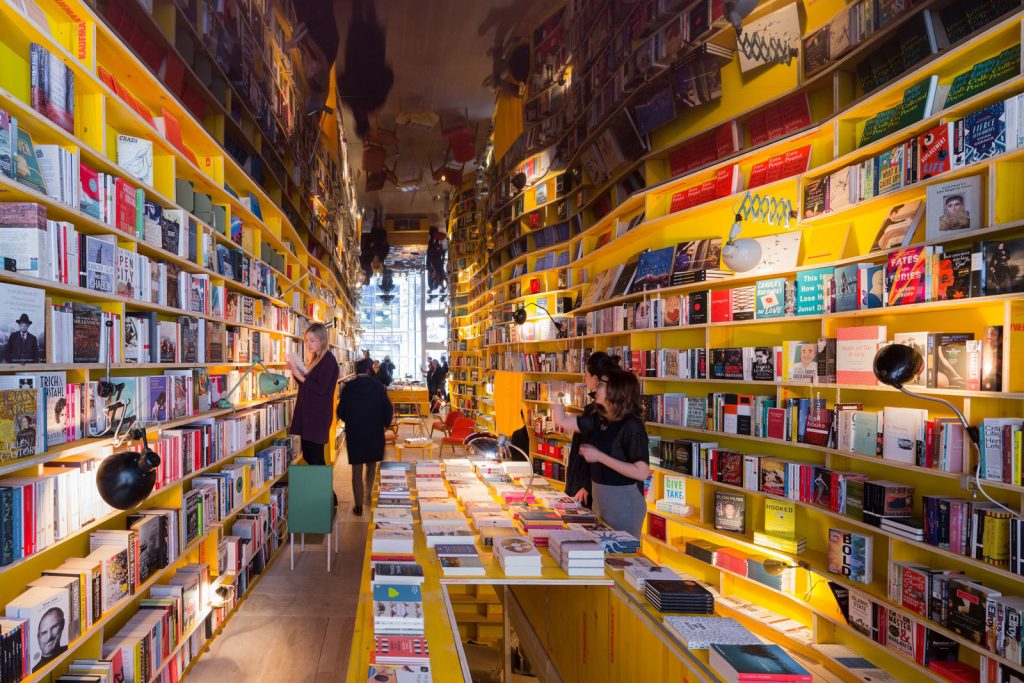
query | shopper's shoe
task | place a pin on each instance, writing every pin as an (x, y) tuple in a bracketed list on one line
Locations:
[(357, 511)]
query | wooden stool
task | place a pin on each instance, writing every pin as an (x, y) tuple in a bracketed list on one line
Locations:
[(426, 448)]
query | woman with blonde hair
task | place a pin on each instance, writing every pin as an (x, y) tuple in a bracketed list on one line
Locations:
[(317, 378)]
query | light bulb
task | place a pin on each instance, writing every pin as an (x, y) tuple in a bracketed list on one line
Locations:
[(742, 255)]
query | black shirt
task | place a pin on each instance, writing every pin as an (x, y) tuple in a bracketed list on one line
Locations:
[(624, 440), (577, 471)]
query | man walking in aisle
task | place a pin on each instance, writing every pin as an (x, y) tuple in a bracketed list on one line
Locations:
[(366, 410)]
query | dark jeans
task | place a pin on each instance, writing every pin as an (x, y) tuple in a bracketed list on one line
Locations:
[(313, 454), (359, 495)]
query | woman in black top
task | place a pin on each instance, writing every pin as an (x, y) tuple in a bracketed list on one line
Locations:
[(577, 473), (615, 446)]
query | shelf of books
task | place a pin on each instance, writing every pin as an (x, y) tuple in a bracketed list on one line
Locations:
[(872, 151), (145, 272)]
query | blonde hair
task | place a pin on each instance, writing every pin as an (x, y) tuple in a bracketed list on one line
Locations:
[(318, 330)]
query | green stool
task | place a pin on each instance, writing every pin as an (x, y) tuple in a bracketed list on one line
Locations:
[(311, 506)]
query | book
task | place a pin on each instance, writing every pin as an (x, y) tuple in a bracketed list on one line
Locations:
[(953, 206), (849, 555), (770, 297), (26, 165), (730, 511), (906, 276), (47, 611), (698, 633), (23, 326), (135, 155), (756, 662), (653, 270), (899, 227), (52, 87), (855, 353), (780, 518), (1002, 264)]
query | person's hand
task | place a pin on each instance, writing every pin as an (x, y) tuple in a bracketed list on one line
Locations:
[(581, 496), (591, 453)]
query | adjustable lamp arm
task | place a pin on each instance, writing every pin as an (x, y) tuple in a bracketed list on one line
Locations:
[(520, 319)]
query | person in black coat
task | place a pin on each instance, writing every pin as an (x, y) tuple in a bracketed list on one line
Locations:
[(22, 345), (365, 408)]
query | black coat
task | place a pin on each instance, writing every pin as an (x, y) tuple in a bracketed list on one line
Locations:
[(365, 408)]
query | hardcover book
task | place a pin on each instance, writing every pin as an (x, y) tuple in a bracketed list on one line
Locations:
[(899, 226), (849, 554), (730, 511), (756, 662), (653, 270), (855, 353), (905, 276), (953, 206)]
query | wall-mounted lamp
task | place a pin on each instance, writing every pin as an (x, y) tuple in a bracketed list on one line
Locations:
[(740, 254), (127, 478), (519, 317)]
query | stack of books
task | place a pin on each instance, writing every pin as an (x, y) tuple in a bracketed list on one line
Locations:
[(447, 531), (794, 546), (617, 542), (679, 595), (517, 556), (397, 609), (704, 551), (638, 575), (396, 515), (391, 542), (786, 581), (402, 651), (487, 518), (579, 557), (698, 633), (459, 559)]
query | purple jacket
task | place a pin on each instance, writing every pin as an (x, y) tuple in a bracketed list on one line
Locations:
[(314, 409)]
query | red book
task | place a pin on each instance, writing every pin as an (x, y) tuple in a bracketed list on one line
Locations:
[(708, 192), (727, 139), (534, 286), (905, 276), (721, 306), (727, 181), (125, 206), (733, 560), (692, 196), (758, 175), (755, 125), (795, 162), (678, 201), (776, 423), (957, 671), (656, 527), (934, 151)]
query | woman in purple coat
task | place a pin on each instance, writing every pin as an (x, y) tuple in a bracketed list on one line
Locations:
[(313, 414)]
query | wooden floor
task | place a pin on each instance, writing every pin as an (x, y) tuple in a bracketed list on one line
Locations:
[(296, 626)]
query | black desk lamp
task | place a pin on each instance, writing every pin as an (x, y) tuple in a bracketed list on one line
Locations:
[(519, 317), (127, 478), (896, 364)]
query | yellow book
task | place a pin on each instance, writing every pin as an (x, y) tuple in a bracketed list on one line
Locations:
[(780, 518)]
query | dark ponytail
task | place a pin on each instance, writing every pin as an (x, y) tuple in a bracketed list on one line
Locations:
[(600, 362)]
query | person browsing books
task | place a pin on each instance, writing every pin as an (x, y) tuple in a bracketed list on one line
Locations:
[(577, 474), (365, 408), (615, 446), (317, 377)]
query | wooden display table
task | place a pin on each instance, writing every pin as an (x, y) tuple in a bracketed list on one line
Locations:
[(424, 445)]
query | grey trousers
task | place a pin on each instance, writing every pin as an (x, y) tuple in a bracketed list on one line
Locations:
[(621, 507)]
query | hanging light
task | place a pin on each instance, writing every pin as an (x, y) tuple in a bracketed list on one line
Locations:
[(741, 254)]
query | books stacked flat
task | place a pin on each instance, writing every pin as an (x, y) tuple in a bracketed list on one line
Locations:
[(621, 564), (518, 556), (763, 663), (698, 633), (399, 515), (534, 518), (517, 468), (580, 558), (618, 542), (794, 546), (786, 581), (733, 560), (397, 573), (391, 542), (442, 516), (486, 518), (911, 528), (447, 532), (702, 550), (638, 575), (459, 559), (679, 595), (401, 650), (397, 610), (439, 504), (490, 535)]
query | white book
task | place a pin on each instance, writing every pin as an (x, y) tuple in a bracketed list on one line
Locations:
[(135, 155), (902, 433)]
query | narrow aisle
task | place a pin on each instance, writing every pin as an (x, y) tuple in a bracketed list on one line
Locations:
[(296, 626)]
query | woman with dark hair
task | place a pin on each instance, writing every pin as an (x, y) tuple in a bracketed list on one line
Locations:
[(365, 408), (615, 446), (577, 474)]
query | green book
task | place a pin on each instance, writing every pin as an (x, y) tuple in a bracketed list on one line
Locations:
[(917, 101), (855, 499), (865, 432), (886, 123), (140, 213), (958, 89), (27, 164), (994, 71)]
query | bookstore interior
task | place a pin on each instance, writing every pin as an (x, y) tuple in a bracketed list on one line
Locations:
[(701, 323)]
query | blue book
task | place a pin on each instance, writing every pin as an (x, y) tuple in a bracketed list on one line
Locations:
[(741, 662), (810, 294), (653, 269), (871, 287), (655, 111), (397, 593), (985, 133), (771, 298), (845, 281)]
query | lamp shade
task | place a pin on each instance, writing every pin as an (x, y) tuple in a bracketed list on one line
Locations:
[(897, 364), (484, 445), (742, 255), (519, 181), (519, 316), (126, 479), (271, 383)]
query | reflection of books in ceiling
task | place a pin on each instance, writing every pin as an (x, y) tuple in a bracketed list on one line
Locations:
[(780, 30), (653, 270), (654, 109), (899, 226), (698, 81)]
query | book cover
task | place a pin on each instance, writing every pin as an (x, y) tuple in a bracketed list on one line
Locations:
[(810, 296), (953, 279), (52, 87), (901, 434), (770, 297), (135, 155), (845, 283), (918, 101), (741, 662), (899, 226), (8, 142), (653, 270), (953, 206), (730, 511), (816, 51), (23, 327), (780, 518), (935, 152), (919, 342), (1003, 263), (985, 133), (905, 276), (779, 253), (702, 254), (27, 163), (816, 192), (849, 555), (855, 353)]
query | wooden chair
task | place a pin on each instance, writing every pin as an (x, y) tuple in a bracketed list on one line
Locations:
[(461, 428), (410, 415), (445, 426), (311, 506)]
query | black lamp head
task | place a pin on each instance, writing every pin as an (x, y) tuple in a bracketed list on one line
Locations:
[(127, 478), (897, 364), (519, 181), (519, 316)]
